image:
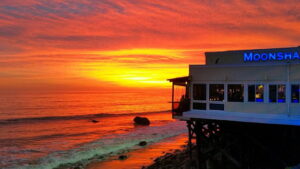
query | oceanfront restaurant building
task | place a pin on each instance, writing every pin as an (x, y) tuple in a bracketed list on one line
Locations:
[(244, 91)]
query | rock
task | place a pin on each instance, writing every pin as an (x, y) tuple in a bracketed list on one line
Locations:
[(78, 166), (142, 143), (123, 157), (94, 121), (177, 151), (141, 121)]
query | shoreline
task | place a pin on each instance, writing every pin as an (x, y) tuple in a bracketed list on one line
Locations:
[(178, 159), (145, 157)]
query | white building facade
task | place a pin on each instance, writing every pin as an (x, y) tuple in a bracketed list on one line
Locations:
[(257, 86)]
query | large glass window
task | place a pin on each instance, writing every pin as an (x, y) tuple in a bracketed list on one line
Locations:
[(216, 92), (235, 93), (277, 93), (295, 93), (199, 92), (256, 93)]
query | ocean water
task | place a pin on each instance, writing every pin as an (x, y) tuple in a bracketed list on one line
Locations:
[(49, 130)]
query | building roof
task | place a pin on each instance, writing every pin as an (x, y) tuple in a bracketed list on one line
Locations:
[(179, 79)]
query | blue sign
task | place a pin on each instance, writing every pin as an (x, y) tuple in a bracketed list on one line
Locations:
[(270, 56)]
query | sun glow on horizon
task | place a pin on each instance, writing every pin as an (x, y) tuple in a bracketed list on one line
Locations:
[(130, 76), (178, 53), (139, 72)]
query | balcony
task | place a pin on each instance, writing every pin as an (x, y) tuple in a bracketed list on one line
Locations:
[(180, 95)]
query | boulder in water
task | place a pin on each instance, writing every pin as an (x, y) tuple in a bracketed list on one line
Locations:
[(94, 121), (123, 157), (141, 121), (142, 143)]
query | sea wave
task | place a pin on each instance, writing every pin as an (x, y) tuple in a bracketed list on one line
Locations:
[(72, 117), (108, 146)]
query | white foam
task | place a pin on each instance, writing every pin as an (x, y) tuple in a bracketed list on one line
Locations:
[(108, 146)]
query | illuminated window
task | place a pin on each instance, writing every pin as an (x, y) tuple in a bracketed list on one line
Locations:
[(295, 93), (235, 93), (259, 93), (199, 91), (256, 93), (216, 92), (277, 93)]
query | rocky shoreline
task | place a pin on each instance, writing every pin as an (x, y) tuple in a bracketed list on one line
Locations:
[(178, 159), (167, 154)]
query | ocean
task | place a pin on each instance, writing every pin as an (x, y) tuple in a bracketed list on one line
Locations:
[(49, 130)]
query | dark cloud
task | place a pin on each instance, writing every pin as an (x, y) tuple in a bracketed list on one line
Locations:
[(79, 38), (11, 31), (7, 48), (61, 9)]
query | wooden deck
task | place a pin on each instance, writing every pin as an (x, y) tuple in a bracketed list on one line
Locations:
[(279, 119)]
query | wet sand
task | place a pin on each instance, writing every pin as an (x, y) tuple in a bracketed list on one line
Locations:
[(143, 157)]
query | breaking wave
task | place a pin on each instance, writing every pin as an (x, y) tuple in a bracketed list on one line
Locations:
[(107, 146), (73, 117)]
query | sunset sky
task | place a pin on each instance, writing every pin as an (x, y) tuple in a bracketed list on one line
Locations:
[(115, 44)]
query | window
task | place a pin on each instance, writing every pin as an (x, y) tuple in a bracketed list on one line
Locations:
[(295, 93), (272, 93), (256, 93), (199, 106), (213, 106), (281, 94), (235, 93), (251, 93), (277, 93), (259, 93), (216, 92), (199, 92)]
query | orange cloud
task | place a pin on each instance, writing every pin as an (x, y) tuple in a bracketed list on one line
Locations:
[(131, 43)]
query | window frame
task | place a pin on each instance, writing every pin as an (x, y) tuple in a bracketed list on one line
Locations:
[(198, 101), (246, 84), (255, 91), (243, 92), (291, 97), (193, 85), (224, 92), (277, 92)]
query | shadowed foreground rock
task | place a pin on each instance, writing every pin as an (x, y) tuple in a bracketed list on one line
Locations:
[(123, 157), (179, 159)]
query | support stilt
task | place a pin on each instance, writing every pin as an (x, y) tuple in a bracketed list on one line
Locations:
[(234, 145)]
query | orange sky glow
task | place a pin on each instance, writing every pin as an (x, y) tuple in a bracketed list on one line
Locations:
[(110, 44)]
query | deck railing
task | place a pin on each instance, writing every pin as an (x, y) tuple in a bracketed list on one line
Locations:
[(179, 107)]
